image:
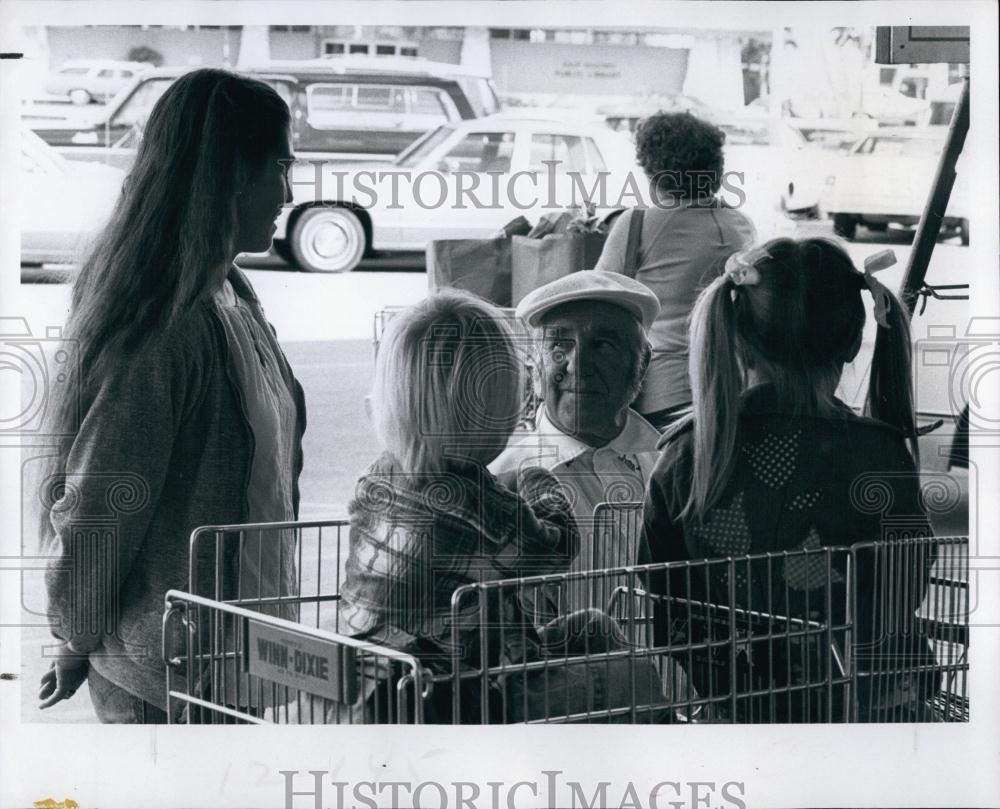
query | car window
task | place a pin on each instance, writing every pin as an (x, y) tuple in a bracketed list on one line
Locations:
[(832, 139), (900, 147), (429, 107), (746, 134), (125, 74), (381, 98), (359, 106), (105, 74), (567, 151), (594, 156), (415, 153), (29, 165), (74, 71), (137, 106), (482, 151), (426, 101), (480, 94)]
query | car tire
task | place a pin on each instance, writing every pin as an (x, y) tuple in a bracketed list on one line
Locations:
[(845, 226), (963, 232), (328, 239), (79, 97)]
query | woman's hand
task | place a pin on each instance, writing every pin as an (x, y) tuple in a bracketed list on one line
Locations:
[(66, 675)]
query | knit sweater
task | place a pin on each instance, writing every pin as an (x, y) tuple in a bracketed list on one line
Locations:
[(163, 446)]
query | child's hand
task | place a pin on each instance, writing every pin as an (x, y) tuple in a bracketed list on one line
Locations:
[(62, 680)]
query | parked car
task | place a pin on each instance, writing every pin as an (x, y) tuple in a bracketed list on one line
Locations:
[(63, 203), (886, 179), (349, 108), (86, 80), (780, 166), (339, 215), (626, 117)]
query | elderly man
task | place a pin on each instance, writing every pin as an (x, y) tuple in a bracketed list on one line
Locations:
[(592, 352)]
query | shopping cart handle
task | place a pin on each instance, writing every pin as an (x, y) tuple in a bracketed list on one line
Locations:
[(944, 631), (172, 610)]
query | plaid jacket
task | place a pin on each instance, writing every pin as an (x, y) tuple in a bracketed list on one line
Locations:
[(416, 538)]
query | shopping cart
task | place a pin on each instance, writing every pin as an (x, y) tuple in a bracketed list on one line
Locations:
[(694, 641), (765, 638), (912, 638), (255, 638)]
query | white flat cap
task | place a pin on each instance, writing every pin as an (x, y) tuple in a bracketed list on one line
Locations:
[(591, 285)]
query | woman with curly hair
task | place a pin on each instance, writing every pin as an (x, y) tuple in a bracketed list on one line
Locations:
[(676, 247)]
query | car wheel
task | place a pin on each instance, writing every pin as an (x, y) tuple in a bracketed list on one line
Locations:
[(79, 97), (845, 225), (328, 240), (963, 232)]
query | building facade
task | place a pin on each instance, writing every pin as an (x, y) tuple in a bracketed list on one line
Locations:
[(556, 63)]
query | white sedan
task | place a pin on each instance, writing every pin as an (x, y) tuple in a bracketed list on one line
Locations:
[(462, 180), (886, 179), (62, 203)]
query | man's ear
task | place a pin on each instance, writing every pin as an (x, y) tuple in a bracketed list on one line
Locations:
[(537, 371), (647, 355)]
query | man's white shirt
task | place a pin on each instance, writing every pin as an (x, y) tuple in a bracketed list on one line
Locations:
[(617, 472)]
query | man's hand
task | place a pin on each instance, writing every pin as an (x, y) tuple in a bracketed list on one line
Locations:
[(61, 681)]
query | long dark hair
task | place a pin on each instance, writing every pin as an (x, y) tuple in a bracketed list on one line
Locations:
[(172, 233), (796, 324)]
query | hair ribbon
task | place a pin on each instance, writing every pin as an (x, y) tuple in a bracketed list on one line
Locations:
[(740, 270), (873, 264)]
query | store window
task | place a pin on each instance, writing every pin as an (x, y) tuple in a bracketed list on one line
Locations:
[(334, 47)]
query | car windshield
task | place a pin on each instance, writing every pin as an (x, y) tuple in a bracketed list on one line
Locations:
[(423, 146), (137, 107), (481, 95)]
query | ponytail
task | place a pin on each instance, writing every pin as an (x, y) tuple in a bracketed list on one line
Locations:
[(716, 384), (890, 388)]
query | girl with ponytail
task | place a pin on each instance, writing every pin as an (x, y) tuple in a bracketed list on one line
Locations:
[(769, 459)]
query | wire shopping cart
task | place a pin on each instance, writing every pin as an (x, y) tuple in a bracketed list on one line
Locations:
[(255, 638), (778, 637)]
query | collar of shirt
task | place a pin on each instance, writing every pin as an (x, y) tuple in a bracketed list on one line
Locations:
[(637, 436), (225, 295)]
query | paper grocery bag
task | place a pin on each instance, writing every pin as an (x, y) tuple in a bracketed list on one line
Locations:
[(481, 266), (536, 262)]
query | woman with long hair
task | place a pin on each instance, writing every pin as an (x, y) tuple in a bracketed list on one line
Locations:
[(182, 409), (770, 459)]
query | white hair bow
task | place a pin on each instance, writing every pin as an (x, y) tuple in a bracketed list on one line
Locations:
[(740, 269)]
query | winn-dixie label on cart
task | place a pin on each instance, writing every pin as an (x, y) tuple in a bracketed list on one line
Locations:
[(289, 658)]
